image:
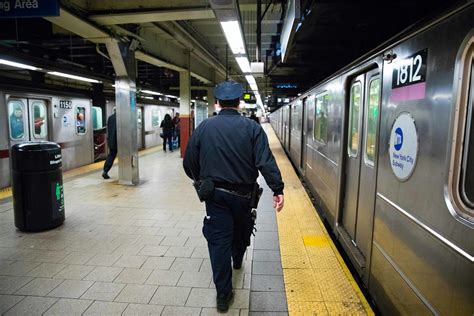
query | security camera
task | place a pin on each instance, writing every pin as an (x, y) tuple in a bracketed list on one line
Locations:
[(134, 44)]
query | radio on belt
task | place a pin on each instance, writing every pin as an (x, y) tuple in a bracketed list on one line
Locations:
[(38, 195)]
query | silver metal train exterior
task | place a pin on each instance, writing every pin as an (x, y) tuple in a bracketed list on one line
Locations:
[(386, 146), (70, 120)]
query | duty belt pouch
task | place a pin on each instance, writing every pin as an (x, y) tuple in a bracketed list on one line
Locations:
[(256, 194), (206, 189)]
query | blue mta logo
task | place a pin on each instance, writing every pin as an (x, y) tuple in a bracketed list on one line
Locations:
[(399, 139)]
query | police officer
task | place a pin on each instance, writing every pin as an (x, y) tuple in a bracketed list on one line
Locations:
[(230, 150)]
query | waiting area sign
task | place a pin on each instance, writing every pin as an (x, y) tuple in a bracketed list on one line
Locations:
[(28, 8)]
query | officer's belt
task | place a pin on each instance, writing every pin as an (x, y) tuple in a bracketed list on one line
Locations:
[(236, 193)]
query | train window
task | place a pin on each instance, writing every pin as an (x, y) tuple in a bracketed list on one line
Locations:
[(467, 171), (39, 120), (16, 112), (295, 116), (321, 118), (80, 120), (155, 118), (355, 99), (372, 115), (97, 118), (139, 118)]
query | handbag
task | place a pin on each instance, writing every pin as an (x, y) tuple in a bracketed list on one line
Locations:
[(161, 135)]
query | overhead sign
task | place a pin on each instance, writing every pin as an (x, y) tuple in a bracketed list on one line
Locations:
[(249, 98), (403, 148), (292, 18), (28, 8), (285, 86)]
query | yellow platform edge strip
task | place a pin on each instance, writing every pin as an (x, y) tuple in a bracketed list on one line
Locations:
[(299, 226), (67, 175)]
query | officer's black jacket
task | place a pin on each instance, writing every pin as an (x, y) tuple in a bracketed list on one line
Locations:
[(232, 149)]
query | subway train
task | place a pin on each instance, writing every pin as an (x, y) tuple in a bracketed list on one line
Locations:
[(386, 147), (70, 119)]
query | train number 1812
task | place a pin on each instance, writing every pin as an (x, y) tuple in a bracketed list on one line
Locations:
[(410, 70)]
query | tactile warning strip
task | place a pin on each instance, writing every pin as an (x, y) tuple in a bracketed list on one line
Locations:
[(317, 281), (70, 174)]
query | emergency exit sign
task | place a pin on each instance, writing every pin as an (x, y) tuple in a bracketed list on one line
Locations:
[(28, 8)]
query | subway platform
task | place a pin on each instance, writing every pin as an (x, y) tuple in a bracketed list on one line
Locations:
[(140, 251)]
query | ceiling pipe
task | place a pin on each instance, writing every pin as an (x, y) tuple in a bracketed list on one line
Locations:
[(259, 31)]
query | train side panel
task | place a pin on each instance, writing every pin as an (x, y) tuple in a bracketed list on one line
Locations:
[(418, 244)]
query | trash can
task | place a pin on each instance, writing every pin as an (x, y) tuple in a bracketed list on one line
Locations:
[(38, 196)]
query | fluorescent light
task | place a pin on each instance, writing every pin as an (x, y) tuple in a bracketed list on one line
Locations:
[(151, 98), (234, 36), (170, 96), (250, 79), (254, 86), (151, 92), (62, 74), (18, 65), (243, 64)]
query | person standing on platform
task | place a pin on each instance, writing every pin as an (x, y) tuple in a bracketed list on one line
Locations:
[(112, 144), (168, 128), (254, 118), (177, 128), (225, 154)]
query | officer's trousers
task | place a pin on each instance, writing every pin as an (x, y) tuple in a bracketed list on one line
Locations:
[(227, 228)]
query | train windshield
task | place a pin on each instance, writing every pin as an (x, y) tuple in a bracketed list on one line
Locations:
[(16, 116), (80, 120)]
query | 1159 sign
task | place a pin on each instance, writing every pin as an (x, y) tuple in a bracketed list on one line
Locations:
[(410, 70)]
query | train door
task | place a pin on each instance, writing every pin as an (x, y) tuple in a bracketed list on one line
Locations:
[(304, 124), (140, 127), (360, 171), (28, 119)]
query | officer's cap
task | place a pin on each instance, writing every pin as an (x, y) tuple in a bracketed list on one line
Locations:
[(228, 90)]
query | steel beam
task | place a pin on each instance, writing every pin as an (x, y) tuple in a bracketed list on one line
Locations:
[(153, 16)]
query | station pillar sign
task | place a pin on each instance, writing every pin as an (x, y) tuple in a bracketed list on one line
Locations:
[(28, 8)]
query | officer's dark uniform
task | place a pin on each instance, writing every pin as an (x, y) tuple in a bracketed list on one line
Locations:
[(230, 149)]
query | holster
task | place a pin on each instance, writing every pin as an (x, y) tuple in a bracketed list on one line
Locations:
[(256, 194), (205, 189)]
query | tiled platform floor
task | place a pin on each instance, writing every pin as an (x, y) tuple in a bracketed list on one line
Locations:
[(139, 250), (122, 250)]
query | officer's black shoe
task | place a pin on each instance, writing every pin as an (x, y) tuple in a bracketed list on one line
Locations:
[(224, 301), (105, 175)]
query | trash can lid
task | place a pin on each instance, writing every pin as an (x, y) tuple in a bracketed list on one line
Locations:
[(36, 146)]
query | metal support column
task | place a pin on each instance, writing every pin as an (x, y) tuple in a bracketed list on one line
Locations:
[(211, 102), (124, 62), (185, 105)]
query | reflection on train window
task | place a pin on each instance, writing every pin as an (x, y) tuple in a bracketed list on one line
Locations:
[(155, 118), (80, 120), (16, 114), (467, 171), (355, 99), (40, 127), (295, 116), (321, 118), (97, 118), (139, 118), (372, 115)]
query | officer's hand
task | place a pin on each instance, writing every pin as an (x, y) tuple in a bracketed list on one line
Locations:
[(278, 202)]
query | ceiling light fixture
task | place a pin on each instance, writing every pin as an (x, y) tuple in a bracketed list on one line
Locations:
[(234, 37), (244, 64), (62, 74), (18, 65), (151, 92)]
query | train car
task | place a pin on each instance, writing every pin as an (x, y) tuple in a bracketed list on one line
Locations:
[(388, 151), (70, 119), (64, 119)]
